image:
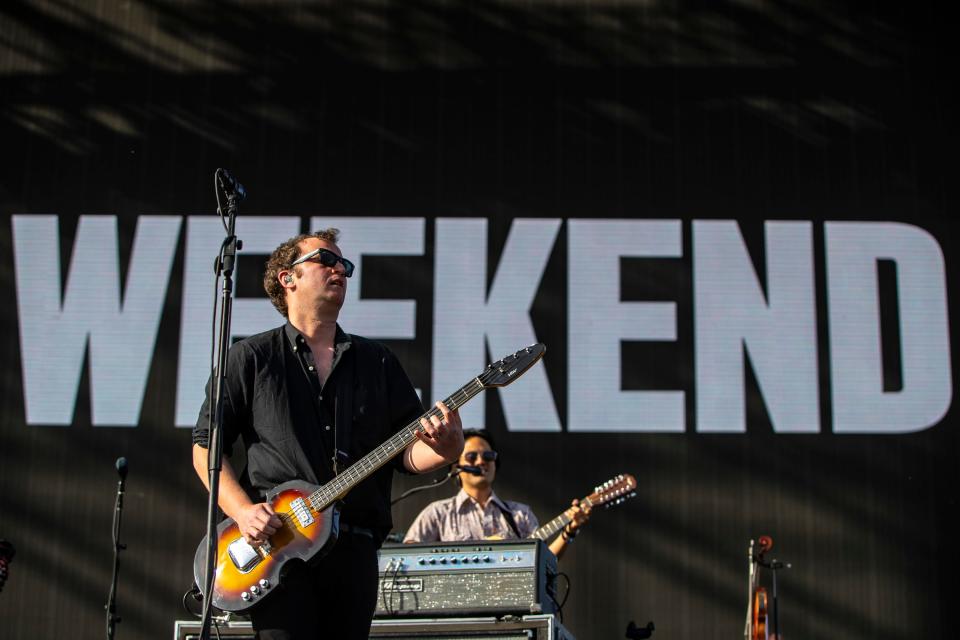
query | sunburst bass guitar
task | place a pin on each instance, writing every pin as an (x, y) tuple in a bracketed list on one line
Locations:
[(245, 575)]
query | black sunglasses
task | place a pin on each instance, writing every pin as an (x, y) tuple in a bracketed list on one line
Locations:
[(488, 456), (328, 259)]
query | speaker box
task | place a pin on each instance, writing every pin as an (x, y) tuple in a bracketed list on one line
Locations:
[(534, 627), (235, 629)]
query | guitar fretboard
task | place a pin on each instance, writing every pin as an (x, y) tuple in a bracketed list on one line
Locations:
[(360, 470), (552, 528)]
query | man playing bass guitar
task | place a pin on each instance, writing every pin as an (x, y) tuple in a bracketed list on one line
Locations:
[(307, 399)]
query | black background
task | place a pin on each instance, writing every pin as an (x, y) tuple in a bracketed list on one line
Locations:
[(779, 110)]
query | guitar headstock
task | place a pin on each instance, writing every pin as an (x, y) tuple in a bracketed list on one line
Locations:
[(613, 491), (506, 370)]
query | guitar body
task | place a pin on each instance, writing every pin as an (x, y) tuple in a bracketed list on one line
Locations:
[(241, 569)]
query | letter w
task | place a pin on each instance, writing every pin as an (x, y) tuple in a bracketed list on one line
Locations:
[(121, 333)]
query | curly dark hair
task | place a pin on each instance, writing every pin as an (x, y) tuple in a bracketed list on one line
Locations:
[(281, 259)]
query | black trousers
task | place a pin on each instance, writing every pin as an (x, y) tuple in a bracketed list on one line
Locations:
[(334, 598)]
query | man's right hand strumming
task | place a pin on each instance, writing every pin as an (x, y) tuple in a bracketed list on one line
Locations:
[(257, 522)]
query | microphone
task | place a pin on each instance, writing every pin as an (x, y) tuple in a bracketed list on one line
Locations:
[(230, 185), (121, 466), (474, 471)]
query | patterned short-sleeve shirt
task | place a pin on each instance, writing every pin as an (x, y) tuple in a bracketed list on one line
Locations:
[(462, 518)]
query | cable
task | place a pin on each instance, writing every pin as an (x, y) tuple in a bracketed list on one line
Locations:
[(566, 594), (216, 193), (193, 592), (383, 591), (429, 485)]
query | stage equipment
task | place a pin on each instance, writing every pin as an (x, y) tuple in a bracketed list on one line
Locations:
[(531, 627), (111, 606), (476, 578), (223, 268), (760, 623)]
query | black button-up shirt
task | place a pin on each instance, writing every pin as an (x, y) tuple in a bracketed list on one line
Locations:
[(274, 400)]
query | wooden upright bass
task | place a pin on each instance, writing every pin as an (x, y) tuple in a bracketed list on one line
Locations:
[(757, 626)]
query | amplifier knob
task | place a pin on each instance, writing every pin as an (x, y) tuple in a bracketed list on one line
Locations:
[(476, 558), (455, 560), (433, 561), (486, 558), (443, 560), (421, 561)]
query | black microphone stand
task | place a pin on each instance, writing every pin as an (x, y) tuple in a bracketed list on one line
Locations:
[(434, 483), (224, 267), (111, 606), (774, 566)]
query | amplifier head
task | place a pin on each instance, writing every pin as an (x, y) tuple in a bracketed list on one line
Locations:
[(467, 578)]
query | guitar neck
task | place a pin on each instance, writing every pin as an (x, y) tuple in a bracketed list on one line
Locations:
[(552, 528), (363, 468)]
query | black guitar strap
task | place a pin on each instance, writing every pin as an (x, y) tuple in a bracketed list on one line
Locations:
[(343, 411), (510, 521)]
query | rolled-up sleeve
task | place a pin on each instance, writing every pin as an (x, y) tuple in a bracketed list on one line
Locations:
[(234, 401)]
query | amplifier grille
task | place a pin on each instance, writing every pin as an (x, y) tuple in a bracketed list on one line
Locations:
[(497, 590)]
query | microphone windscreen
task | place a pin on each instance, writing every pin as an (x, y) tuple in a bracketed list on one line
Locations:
[(122, 467)]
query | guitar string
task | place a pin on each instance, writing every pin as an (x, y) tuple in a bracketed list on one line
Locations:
[(621, 486), (369, 463), (404, 438)]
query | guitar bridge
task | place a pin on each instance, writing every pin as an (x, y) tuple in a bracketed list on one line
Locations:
[(302, 512)]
